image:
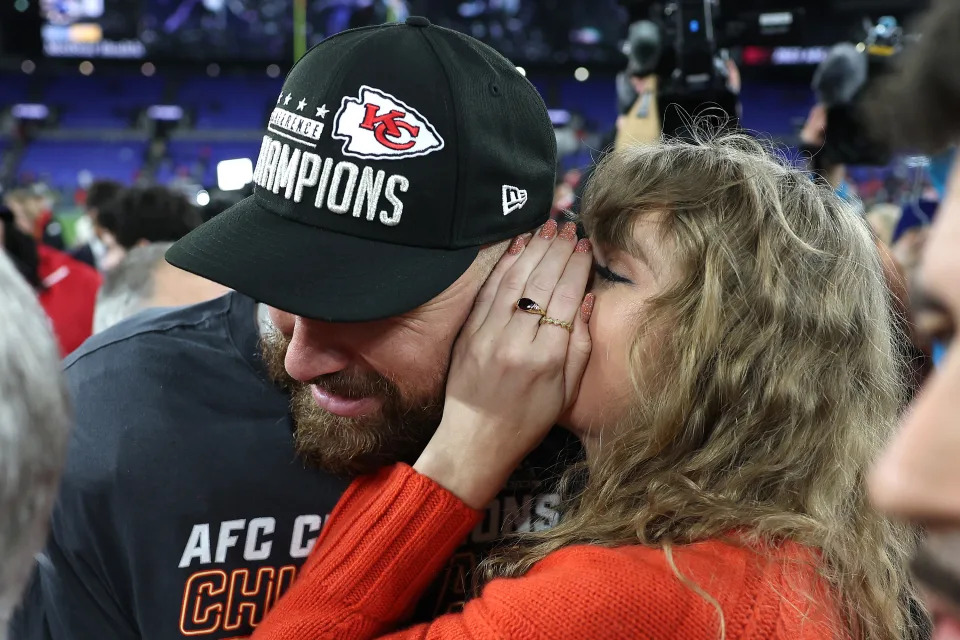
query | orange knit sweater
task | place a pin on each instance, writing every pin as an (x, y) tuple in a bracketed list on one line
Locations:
[(391, 533)]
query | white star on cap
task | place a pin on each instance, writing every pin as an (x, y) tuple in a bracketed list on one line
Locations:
[(280, 98), (286, 100), (322, 111), (301, 105)]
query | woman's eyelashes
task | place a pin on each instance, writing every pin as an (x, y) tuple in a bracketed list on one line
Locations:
[(605, 274)]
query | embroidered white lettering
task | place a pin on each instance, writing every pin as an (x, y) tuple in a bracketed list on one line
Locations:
[(394, 182), (287, 170), (324, 181), (352, 171), (368, 189), (264, 146), (308, 174), (270, 166)]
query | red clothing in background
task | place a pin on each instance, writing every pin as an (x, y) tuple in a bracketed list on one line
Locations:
[(69, 296), (391, 533)]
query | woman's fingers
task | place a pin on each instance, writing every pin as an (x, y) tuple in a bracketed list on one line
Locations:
[(568, 290), (578, 350), (542, 283), (514, 281), (488, 292)]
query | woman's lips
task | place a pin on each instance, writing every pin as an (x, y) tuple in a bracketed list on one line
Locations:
[(343, 406)]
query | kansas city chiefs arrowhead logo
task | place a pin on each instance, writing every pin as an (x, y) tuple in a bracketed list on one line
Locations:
[(378, 125)]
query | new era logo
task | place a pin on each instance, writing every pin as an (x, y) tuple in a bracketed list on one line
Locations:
[(379, 126), (513, 198)]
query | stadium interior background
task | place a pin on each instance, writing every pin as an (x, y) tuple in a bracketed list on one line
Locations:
[(176, 92)]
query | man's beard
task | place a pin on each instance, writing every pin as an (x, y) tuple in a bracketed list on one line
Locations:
[(398, 432), (937, 566)]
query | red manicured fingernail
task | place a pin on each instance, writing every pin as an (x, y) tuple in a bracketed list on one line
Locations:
[(549, 230), (569, 231), (517, 245), (586, 309), (584, 246)]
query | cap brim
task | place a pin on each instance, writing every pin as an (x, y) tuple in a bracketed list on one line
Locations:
[(315, 273)]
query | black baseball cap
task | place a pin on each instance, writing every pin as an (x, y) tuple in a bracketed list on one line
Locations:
[(393, 155)]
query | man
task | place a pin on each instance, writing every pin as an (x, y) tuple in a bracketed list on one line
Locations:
[(397, 164), (101, 239), (32, 210), (66, 288), (33, 432), (918, 477), (144, 280), (141, 215)]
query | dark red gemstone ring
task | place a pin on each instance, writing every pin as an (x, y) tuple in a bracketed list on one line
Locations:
[(529, 306)]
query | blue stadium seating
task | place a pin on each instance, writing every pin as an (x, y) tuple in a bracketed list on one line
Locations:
[(229, 102), (105, 101), (14, 88), (59, 162), (102, 101)]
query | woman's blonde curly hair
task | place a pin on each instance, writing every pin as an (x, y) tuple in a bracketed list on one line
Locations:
[(762, 407)]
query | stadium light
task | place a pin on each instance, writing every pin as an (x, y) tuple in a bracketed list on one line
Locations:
[(28, 67), (581, 74), (30, 111), (522, 71), (559, 117), (234, 174), (203, 198), (166, 112), (86, 67)]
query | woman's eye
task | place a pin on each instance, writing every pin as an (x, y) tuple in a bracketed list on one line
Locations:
[(608, 275)]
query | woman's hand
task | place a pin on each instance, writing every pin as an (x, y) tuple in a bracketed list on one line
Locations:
[(511, 376)]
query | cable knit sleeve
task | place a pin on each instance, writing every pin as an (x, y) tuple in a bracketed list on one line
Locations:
[(387, 539), (391, 533)]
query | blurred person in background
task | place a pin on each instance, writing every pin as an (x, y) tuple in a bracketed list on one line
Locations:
[(33, 213), (834, 173), (101, 246), (742, 377), (883, 219), (144, 280), (825, 167), (66, 288), (34, 423), (141, 215), (918, 478)]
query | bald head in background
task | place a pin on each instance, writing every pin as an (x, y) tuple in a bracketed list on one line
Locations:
[(144, 280)]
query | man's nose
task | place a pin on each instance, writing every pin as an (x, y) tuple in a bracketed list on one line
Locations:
[(917, 477), (315, 350)]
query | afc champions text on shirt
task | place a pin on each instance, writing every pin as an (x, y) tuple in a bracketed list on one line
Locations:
[(236, 570)]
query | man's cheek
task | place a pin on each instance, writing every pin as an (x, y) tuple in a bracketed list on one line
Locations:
[(282, 320)]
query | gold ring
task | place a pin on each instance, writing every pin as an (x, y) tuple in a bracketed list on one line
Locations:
[(529, 306), (559, 323)]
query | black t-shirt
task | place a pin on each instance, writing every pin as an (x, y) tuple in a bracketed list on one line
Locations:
[(183, 510)]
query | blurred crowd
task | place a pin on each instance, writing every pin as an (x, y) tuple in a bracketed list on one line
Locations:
[(117, 267)]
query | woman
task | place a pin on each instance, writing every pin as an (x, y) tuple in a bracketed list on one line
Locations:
[(742, 377)]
